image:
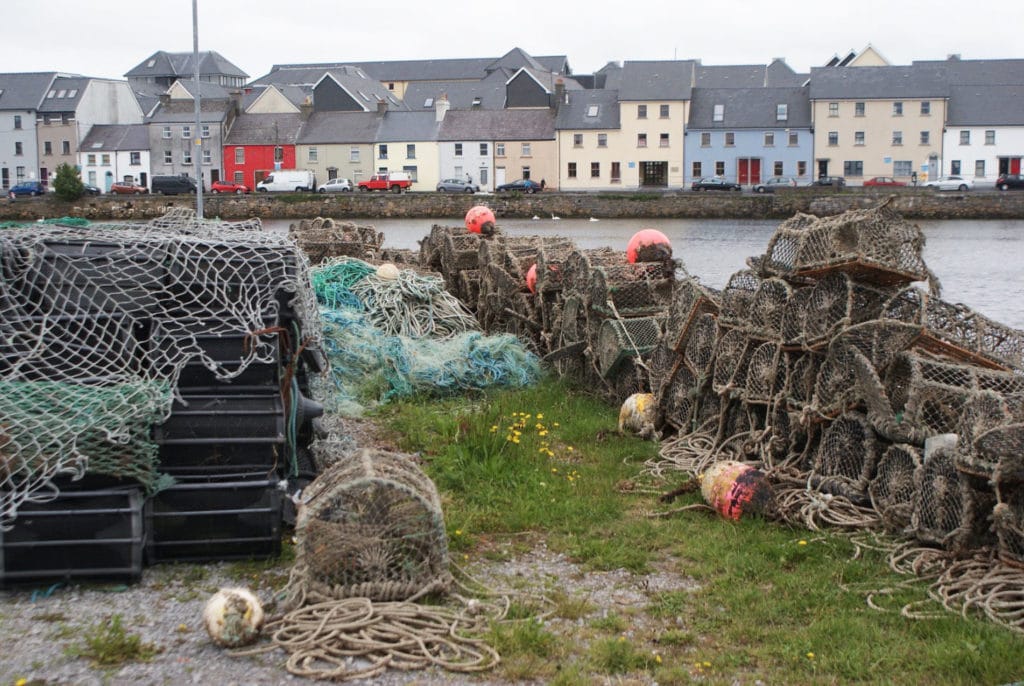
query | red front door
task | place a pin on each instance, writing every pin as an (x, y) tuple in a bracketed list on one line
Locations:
[(743, 173), (1015, 165), (755, 171)]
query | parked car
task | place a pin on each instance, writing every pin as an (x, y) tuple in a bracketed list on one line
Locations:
[(834, 181), (715, 183), (1006, 182), (173, 185), (228, 187), (950, 183), (337, 185), (30, 188), (288, 181), (89, 189), (884, 181), (771, 184), (521, 185), (457, 186), (127, 188)]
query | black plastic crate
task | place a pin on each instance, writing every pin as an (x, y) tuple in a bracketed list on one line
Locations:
[(80, 534), (208, 518), (225, 349), (240, 418), (97, 276), (213, 457)]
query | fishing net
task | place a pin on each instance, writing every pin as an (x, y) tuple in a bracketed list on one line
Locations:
[(322, 238)]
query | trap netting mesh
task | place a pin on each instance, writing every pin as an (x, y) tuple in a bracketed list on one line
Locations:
[(369, 526), (98, 322), (323, 237)]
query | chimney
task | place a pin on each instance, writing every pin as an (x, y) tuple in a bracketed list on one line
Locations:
[(236, 97), (165, 99), (441, 107), (306, 108), (382, 105)]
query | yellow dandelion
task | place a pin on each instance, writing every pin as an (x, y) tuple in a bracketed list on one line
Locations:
[(707, 664), (554, 470), (540, 416), (538, 426), (657, 658), (21, 682), (516, 440), (810, 656), (543, 484), (458, 532), (465, 557), (494, 429), (543, 433), (802, 543), (570, 448), (555, 424)]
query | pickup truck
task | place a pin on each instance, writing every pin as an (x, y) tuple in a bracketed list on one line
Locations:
[(396, 182)]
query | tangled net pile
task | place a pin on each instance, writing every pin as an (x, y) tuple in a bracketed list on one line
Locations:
[(98, 322), (820, 362)]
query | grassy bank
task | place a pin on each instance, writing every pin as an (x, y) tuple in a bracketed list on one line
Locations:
[(761, 602)]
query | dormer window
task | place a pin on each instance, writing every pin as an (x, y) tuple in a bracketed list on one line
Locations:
[(150, 64), (429, 102), (781, 112), (476, 101), (719, 113)]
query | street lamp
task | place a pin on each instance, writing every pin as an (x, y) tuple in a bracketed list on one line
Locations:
[(197, 148)]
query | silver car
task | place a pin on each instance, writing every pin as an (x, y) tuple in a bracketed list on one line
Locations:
[(457, 186), (335, 186), (950, 183), (771, 184)]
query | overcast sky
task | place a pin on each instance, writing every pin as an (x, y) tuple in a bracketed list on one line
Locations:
[(106, 39)]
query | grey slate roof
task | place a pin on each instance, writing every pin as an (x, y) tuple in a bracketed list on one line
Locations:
[(66, 85), (180, 64), (986, 106), (461, 94), (359, 84), (980, 72), (665, 80), (264, 129), (339, 127), (514, 60), (573, 115), (874, 83), (749, 108), (774, 75), (207, 90), (490, 125), (183, 111), (408, 126), (116, 137), (24, 91)]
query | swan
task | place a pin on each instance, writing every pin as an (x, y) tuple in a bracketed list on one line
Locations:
[(536, 218), (554, 218), (594, 219)]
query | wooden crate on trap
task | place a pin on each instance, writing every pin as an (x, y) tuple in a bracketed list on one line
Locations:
[(371, 526)]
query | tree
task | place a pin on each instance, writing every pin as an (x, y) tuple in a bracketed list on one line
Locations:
[(67, 184)]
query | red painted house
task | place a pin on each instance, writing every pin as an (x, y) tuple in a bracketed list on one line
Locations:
[(258, 144)]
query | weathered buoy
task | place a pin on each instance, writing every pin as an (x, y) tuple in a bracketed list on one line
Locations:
[(531, 278), (648, 245), (734, 489), (638, 414), (233, 617), (480, 219), (387, 271)]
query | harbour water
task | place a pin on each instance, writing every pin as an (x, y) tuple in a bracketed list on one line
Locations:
[(979, 263)]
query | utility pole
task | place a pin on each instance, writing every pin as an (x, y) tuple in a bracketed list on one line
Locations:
[(197, 147)]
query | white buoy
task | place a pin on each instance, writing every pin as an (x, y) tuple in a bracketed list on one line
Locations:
[(387, 272), (233, 617)]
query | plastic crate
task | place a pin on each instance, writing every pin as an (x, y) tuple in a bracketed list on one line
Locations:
[(225, 350), (242, 418), (213, 457), (207, 518)]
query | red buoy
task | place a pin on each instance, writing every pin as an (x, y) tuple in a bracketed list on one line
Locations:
[(648, 245), (531, 278), (480, 220)]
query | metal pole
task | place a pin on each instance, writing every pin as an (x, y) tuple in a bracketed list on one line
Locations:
[(197, 148)]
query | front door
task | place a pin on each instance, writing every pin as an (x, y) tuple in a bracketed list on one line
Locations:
[(822, 168), (755, 171), (748, 171), (654, 173), (499, 176)]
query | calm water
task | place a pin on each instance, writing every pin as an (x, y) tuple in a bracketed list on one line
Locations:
[(978, 262)]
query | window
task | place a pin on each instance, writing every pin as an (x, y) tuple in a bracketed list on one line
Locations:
[(313, 155), (979, 168), (902, 167), (777, 168), (801, 168), (897, 109), (926, 108), (781, 112), (412, 171), (90, 159), (186, 131), (458, 149), (897, 138), (278, 153), (571, 172), (641, 111), (17, 147), (353, 154), (207, 156), (663, 111), (19, 173), (65, 147), (166, 132), (577, 140), (769, 139), (833, 138), (525, 151), (697, 170), (965, 138), (105, 159), (641, 140), (616, 176), (391, 86), (483, 149), (47, 148), (719, 113), (595, 170), (526, 173), (705, 139), (592, 110), (239, 155), (730, 139), (17, 121), (186, 156), (990, 137), (499, 149), (954, 167), (720, 168), (853, 168), (382, 150), (663, 140), (204, 131), (410, 151), (239, 177), (858, 138), (168, 157), (858, 109), (794, 138), (833, 109), (602, 140), (135, 158), (925, 138)]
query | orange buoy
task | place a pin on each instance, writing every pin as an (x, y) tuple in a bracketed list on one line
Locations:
[(531, 279), (734, 489), (648, 245), (480, 220)]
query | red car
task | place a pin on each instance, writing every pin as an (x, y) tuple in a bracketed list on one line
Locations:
[(883, 181), (128, 188), (228, 187)]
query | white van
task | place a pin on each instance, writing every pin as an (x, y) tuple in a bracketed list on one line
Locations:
[(288, 180)]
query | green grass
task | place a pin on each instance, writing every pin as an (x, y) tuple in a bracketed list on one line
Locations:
[(107, 644), (768, 601)]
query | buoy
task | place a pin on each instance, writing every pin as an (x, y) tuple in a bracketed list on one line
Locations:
[(648, 245), (480, 220), (734, 489), (387, 272), (638, 414), (233, 617), (531, 278)]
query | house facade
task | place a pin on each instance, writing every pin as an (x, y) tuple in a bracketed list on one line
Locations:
[(338, 145), (174, 140), (259, 144), (115, 152), (21, 96), (591, 154)]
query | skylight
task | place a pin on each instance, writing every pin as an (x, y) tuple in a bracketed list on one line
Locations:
[(429, 102), (592, 111), (73, 92), (51, 94)]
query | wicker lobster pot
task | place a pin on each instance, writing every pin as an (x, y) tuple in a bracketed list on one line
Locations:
[(892, 488), (847, 455), (947, 511), (690, 300), (766, 309), (737, 297)]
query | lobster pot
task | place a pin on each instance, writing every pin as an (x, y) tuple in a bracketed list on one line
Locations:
[(737, 297), (946, 510), (631, 290), (766, 309), (701, 341), (731, 358), (873, 246), (780, 421), (836, 302), (622, 339), (371, 527), (579, 266), (433, 247), (550, 305), (835, 385), (998, 454), (460, 251), (469, 287), (689, 301), (661, 362), (1008, 522), (323, 238), (957, 331), (801, 377), (847, 455), (892, 488), (766, 375), (677, 398), (550, 257), (794, 317), (985, 411)]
